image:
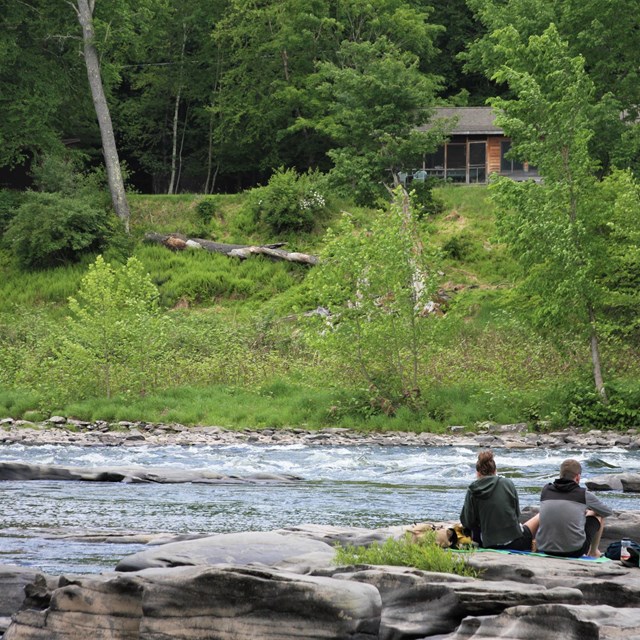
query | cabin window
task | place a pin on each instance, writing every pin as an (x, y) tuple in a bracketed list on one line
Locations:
[(508, 165)]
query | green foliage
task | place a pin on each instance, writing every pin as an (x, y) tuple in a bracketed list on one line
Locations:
[(115, 336), (553, 228), (51, 229), (206, 209), (201, 277), (377, 284), (458, 247), (374, 98), (425, 200), (244, 357), (61, 173), (290, 202), (585, 409), (424, 554), (16, 403)]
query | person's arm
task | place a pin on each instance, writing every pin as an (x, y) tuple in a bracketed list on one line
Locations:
[(597, 505), (514, 496), (468, 515)]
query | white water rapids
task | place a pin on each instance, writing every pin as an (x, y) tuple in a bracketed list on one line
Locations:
[(367, 486)]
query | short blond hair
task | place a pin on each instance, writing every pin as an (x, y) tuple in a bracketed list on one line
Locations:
[(570, 468)]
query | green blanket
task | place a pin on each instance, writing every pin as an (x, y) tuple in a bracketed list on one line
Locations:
[(531, 553)]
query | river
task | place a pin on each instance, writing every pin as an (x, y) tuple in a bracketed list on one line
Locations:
[(367, 486)]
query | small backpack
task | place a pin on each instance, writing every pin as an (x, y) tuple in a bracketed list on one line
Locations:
[(613, 552)]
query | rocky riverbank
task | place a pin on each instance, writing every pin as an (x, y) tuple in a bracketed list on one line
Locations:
[(65, 431), (285, 585)]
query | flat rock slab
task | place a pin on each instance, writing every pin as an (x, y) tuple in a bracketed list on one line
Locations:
[(600, 583), (249, 548), (22, 471), (201, 603)]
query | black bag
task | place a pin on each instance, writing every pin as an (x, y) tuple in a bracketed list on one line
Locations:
[(613, 552)]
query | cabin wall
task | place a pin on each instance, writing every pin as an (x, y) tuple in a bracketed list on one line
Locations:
[(493, 153)]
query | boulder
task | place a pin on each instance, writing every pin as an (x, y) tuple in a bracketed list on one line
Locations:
[(240, 549), (14, 580), (627, 482), (599, 582)]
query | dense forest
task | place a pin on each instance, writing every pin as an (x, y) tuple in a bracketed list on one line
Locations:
[(212, 96), (264, 122)]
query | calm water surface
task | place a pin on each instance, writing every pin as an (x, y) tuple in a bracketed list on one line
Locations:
[(365, 486)]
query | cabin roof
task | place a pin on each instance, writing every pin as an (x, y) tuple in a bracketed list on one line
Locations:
[(470, 120)]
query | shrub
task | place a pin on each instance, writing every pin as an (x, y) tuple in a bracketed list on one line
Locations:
[(206, 209), (458, 247), (290, 202), (58, 174), (423, 554), (51, 229)]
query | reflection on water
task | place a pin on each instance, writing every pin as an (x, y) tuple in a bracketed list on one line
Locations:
[(363, 486)]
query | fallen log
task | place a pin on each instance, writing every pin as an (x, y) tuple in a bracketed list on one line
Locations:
[(178, 242)]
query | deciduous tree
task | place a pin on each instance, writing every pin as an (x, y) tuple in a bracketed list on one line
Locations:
[(557, 229)]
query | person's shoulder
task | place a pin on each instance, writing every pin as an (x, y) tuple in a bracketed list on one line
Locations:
[(506, 481)]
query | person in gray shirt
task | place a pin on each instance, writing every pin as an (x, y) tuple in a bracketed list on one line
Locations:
[(571, 518)]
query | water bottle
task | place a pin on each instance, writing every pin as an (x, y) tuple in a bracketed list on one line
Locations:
[(625, 554)]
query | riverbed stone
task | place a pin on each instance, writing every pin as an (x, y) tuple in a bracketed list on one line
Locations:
[(236, 584)]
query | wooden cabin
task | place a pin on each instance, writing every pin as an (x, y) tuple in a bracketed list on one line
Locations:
[(475, 150)]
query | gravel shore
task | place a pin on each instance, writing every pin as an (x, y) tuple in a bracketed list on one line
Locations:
[(60, 430)]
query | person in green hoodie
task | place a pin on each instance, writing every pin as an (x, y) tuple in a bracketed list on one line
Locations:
[(492, 507)]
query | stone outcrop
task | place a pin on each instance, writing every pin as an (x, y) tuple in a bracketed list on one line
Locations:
[(285, 585), (225, 603)]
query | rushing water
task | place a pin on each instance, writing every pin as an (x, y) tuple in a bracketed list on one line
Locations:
[(368, 486)]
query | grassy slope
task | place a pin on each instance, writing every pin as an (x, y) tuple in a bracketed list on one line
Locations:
[(487, 366)]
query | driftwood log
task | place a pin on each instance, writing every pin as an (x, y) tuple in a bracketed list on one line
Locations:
[(178, 242)]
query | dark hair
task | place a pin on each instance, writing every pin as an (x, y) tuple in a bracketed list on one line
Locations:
[(570, 468), (486, 465)]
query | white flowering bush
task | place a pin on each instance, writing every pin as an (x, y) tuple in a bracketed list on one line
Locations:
[(290, 202)]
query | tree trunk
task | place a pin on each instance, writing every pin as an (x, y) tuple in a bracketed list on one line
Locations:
[(174, 145), (84, 10), (595, 358), (178, 242), (173, 184)]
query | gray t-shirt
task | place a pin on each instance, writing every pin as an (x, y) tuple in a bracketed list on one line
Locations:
[(563, 507)]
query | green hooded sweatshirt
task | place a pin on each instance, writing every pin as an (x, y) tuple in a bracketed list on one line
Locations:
[(491, 504)]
